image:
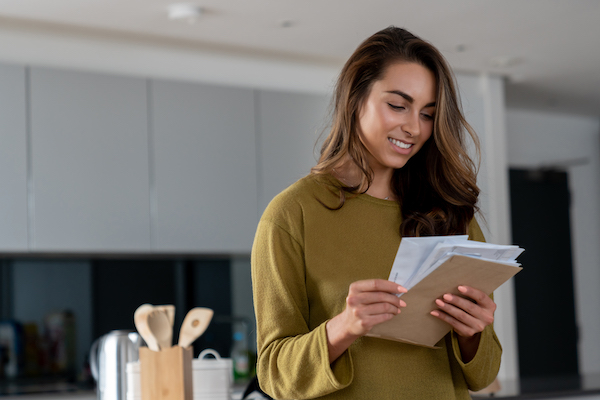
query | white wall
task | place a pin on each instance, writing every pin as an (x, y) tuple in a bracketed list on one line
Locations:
[(571, 143)]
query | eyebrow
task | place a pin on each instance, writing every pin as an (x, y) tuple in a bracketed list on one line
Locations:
[(409, 98)]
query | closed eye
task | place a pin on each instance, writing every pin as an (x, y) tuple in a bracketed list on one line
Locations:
[(427, 117), (396, 107)]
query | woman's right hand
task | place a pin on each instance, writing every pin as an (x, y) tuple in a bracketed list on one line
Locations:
[(369, 302)]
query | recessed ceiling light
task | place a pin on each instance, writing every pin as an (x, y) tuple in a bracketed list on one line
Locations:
[(185, 11)]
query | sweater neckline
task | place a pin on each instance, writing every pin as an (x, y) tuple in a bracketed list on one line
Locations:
[(376, 200), (362, 196)]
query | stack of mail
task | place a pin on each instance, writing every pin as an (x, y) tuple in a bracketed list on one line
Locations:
[(430, 267), (417, 257)]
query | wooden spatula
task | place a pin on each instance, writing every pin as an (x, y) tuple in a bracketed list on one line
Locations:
[(194, 324)]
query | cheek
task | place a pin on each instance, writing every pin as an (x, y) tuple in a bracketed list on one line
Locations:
[(374, 119), (365, 121), (389, 120), (427, 131)]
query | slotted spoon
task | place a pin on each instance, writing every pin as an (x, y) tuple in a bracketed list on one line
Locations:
[(194, 324)]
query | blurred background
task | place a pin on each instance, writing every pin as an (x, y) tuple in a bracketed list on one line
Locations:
[(140, 142)]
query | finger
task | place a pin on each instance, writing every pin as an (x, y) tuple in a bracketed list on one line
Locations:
[(473, 324), (377, 285), (467, 306), (376, 314), (376, 319), (375, 309), (478, 296), (458, 327), (460, 315), (366, 298), (365, 318)]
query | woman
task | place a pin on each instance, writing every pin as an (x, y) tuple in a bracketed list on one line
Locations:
[(393, 165)]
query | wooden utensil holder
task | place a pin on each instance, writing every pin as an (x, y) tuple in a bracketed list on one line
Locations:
[(166, 374)]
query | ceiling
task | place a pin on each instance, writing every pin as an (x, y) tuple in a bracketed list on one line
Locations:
[(549, 50)]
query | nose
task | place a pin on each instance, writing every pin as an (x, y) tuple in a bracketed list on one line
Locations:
[(412, 126)]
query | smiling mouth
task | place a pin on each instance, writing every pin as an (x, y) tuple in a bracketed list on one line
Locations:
[(400, 144)]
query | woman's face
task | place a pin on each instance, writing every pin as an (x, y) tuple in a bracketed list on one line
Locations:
[(396, 118)]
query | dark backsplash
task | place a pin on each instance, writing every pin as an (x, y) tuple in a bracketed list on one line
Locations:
[(111, 289)]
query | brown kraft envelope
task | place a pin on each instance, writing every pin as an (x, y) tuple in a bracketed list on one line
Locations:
[(414, 325)]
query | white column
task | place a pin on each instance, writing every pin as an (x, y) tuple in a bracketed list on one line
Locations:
[(483, 102), (494, 154)]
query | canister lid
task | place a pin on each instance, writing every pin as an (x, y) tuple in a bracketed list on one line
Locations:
[(211, 363)]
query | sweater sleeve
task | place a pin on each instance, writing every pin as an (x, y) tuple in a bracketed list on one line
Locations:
[(481, 371), (293, 361)]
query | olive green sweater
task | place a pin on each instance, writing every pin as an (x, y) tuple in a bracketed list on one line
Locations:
[(304, 258)]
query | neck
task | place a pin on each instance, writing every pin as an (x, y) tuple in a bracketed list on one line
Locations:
[(381, 187)]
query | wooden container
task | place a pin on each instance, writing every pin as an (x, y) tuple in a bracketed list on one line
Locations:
[(166, 374)]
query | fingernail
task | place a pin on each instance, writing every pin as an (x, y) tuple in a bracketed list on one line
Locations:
[(448, 297), (435, 313), (401, 289), (462, 289), (402, 303), (439, 302)]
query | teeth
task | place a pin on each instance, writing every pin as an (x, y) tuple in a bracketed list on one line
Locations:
[(400, 144)]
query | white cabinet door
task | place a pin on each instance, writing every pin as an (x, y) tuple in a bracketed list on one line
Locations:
[(13, 159), (204, 159), (289, 125), (89, 148)]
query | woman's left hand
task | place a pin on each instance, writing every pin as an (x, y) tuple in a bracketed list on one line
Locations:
[(467, 318)]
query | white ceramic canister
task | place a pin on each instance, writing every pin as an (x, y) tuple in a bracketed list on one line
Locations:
[(134, 384), (212, 377)]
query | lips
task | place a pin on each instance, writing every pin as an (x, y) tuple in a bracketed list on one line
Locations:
[(400, 144)]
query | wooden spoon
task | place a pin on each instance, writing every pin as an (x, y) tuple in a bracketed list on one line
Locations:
[(161, 328), (140, 319), (170, 310), (194, 324)]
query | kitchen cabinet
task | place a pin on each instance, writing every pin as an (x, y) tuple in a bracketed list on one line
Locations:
[(92, 162), (13, 159), (89, 162), (204, 176), (289, 125)]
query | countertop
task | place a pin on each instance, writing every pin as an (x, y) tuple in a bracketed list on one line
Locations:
[(69, 391), (554, 387), (85, 395), (564, 388)]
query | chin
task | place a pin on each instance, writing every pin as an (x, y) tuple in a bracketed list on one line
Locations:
[(398, 164)]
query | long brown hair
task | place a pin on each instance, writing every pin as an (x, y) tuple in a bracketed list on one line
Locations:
[(436, 189)]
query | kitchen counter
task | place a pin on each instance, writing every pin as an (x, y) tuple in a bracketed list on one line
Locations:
[(69, 392), (80, 395), (42, 386), (83, 395), (557, 387), (582, 388)]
